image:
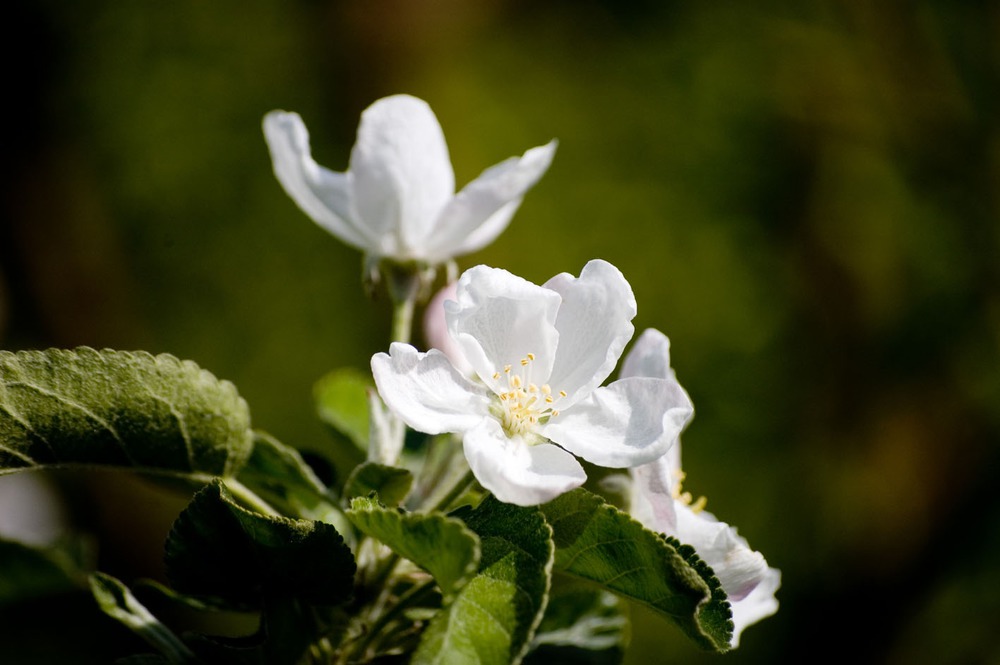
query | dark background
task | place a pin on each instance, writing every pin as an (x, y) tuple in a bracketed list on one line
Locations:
[(803, 194)]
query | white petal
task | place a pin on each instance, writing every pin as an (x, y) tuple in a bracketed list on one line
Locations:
[(402, 175), (759, 604), (426, 391), (748, 582), (650, 356), (499, 318), (322, 194), (652, 500), (594, 325), (516, 472), (630, 422), (484, 207)]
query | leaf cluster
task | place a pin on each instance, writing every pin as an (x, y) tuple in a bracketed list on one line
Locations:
[(361, 572)]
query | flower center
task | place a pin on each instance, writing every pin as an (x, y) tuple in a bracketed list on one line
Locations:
[(524, 405), (697, 505)]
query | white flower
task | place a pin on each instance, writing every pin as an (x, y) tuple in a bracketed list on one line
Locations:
[(397, 198), (660, 504), (540, 354)]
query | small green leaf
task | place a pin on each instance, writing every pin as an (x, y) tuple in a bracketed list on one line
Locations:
[(494, 616), (342, 403), (117, 408), (279, 475), (391, 483), (29, 571), (117, 601), (217, 548), (581, 625), (596, 541), (439, 544)]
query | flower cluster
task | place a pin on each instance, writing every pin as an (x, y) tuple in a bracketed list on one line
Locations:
[(518, 371)]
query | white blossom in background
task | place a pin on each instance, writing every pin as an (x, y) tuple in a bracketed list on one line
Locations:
[(659, 502), (397, 198), (539, 356), (31, 511)]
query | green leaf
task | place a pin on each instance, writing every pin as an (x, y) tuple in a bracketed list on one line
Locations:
[(29, 571), (494, 616), (342, 403), (117, 601), (279, 475), (391, 483), (217, 548), (596, 541), (581, 625), (118, 408), (439, 544)]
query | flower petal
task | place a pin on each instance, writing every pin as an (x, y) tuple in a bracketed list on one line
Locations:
[(652, 500), (322, 194), (759, 604), (650, 356), (402, 175), (517, 472), (426, 391), (594, 325), (745, 577), (484, 207), (630, 422), (498, 319)]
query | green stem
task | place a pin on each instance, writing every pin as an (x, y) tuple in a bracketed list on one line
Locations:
[(403, 283), (406, 600), (402, 320), (249, 498)]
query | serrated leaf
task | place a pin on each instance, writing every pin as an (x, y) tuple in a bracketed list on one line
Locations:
[(597, 542), (581, 625), (118, 408), (391, 483), (494, 616), (217, 548), (115, 600), (342, 403), (441, 545)]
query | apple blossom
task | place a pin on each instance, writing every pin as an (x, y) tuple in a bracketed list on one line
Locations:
[(659, 502), (397, 199), (539, 354)]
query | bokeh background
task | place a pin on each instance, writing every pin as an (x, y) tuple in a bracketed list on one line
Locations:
[(803, 194)]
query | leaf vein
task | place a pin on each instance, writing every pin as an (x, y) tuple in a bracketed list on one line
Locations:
[(624, 573), (82, 409), (577, 555)]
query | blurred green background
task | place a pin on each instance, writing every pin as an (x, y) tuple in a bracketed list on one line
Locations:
[(803, 194)]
